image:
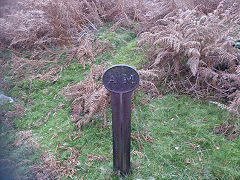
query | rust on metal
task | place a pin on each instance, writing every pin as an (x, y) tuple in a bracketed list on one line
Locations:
[(121, 80)]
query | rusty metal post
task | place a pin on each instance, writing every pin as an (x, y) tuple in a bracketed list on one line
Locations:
[(121, 80)]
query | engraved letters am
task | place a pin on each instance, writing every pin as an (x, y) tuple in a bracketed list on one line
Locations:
[(120, 79)]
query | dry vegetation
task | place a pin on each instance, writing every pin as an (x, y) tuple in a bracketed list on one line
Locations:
[(188, 43), (89, 97), (195, 50), (61, 22)]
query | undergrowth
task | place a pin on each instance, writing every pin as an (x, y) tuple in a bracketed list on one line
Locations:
[(189, 43), (53, 55), (172, 137)]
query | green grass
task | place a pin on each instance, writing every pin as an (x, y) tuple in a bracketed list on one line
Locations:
[(180, 123), (125, 47), (184, 145)]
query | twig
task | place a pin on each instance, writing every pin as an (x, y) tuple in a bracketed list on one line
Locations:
[(45, 47), (138, 141)]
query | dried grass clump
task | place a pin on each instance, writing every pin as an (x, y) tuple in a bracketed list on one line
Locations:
[(43, 23), (149, 80), (59, 22), (88, 97), (229, 130), (30, 69), (22, 67), (195, 50), (115, 10), (84, 52), (205, 6), (156, 11), (52, 75), (53, 168), (24, 29)]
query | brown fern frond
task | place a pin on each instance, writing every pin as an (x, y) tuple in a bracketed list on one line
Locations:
[(19, 65), (192, 44), (234, 105), (148, 87), (169, 42), (89, 97), (151, 75), (96, 102), (85, 51), (195, 42), (60, 22), (193, 63), (52, 75), (163, 57)]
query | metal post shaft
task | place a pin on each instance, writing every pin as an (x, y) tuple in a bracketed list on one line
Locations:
[(121, 125)]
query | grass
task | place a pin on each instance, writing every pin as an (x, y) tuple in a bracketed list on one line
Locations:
[(184, 145), (125, 46), (183, 141)]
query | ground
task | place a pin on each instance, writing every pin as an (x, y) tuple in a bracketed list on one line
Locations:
[(173, 137)]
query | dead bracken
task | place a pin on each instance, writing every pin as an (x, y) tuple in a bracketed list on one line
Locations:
[(229, 130), (187, 46)]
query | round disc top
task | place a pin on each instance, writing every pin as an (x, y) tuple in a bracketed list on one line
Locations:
[(120, 79)]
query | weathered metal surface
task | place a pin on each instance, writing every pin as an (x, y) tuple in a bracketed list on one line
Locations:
[(121, 80)]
